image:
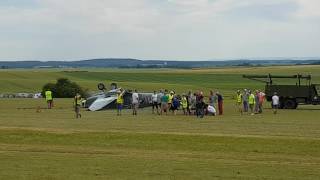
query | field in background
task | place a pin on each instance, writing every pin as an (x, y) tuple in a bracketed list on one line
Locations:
[(53, 144), (225, 80)]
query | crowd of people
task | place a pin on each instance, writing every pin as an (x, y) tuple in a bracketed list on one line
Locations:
[(164, 102)]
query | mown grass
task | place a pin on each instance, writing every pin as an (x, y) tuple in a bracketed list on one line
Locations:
[(53, 144)]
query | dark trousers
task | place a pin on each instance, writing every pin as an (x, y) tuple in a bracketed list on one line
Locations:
[(220, 107), (200, 110)]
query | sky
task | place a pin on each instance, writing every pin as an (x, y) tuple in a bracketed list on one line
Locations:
[(158, 29)]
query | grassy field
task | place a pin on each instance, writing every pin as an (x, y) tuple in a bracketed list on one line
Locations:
[(53, 144), (226, 80)]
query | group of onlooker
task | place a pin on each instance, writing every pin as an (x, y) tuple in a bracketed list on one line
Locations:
[(190, 103), (250, 101)]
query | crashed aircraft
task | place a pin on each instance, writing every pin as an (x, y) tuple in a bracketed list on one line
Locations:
[(107, 99)]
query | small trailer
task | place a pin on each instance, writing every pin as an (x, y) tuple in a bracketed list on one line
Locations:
[(290, 95)]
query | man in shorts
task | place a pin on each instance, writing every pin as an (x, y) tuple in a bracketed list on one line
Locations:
[(275, 102), (135, 102)]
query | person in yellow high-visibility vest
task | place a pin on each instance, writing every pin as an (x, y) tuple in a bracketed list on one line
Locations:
[(184, 104), (77, 105), (239, 101), (170, 96), (49, 98), (120, 101), (252, 102)]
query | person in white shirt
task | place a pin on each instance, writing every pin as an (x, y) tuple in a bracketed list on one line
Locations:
[(154, 98), (211, 110), (135, 102), (275, 103)]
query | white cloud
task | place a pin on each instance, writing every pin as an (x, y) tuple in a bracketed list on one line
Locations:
[(308, 8), (173, 29)]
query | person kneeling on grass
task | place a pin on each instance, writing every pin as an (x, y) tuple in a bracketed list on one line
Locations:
[(211, 111)]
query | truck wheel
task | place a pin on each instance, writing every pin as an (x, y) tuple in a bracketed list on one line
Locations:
[(290, 104)]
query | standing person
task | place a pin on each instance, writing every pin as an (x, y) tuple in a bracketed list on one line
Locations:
[(200, 105), (189, 99), (262, 96), (275, 102), (184, 104), (120, 101), (170, 96), (212, 99), (175, 104), (257, 102), (251, 102), (245, 99), (239, 101), (154, 98), (193, 103), (220, 103), (49, 98), (135, 102), (164, 103), (159, 96), (77, 105)]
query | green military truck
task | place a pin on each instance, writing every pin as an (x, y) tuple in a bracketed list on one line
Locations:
[(290, 95)]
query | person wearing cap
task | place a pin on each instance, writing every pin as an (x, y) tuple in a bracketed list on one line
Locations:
[(239, 100), (120, 101), (275, 102)]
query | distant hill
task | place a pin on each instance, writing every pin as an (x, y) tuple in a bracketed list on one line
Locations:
[(135, 63)]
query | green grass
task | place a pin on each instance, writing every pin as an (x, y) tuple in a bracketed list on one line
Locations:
[(226, 80), (53, 144)]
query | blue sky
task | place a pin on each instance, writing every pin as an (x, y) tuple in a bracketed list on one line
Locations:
[(158, 29)]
